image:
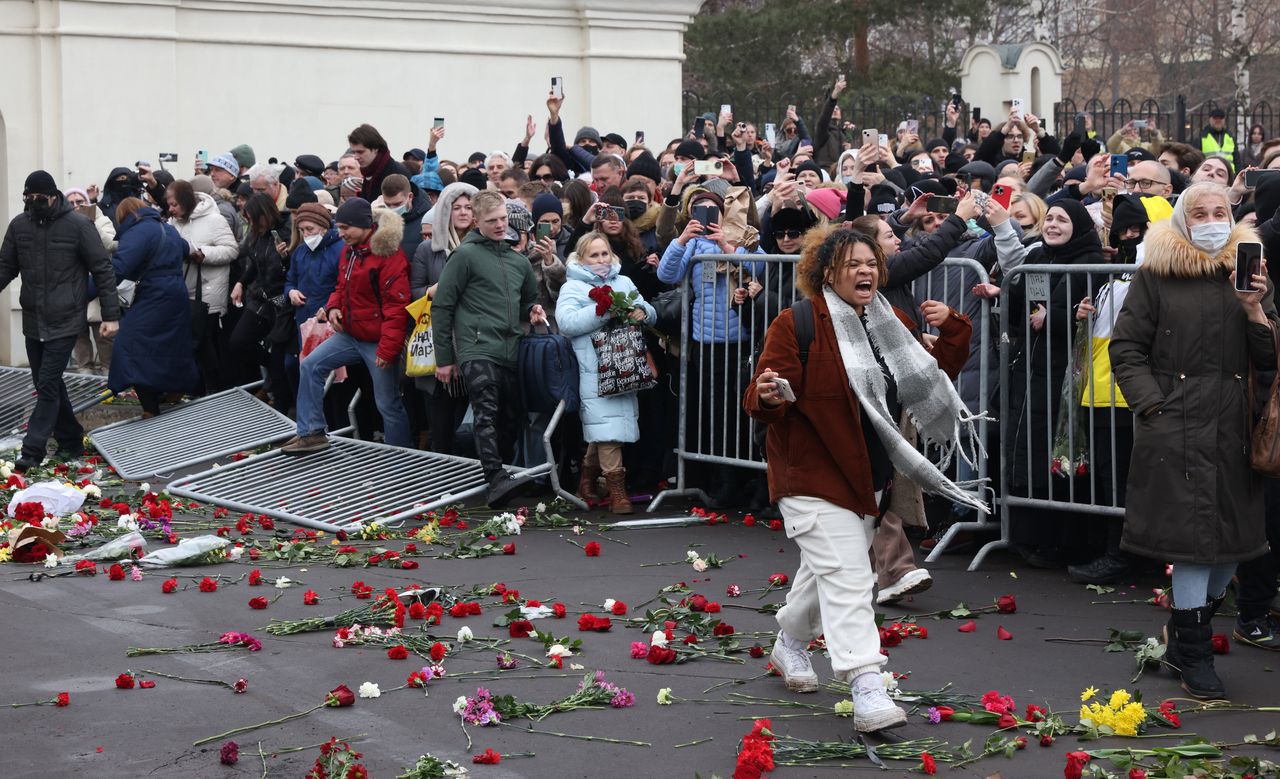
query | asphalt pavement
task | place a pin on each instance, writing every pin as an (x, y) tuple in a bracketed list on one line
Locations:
[(71, 634)]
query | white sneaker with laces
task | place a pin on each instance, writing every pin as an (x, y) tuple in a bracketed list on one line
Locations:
[(873, 709), (913, 581), (794, 666)]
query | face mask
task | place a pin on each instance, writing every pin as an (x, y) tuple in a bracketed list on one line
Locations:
[(636, 209), (845, 179), (591, 147), (400, 209), (1127, 250), (40, 208), (1026, 227), (675, 169), (1211, 236), (312, 241)]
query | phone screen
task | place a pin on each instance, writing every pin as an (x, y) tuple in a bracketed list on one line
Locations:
[(771, 133), (913, 126), (640, 137), (977, 113), (439, 122), (1248, 264), (544, 230), (939, 204), (1252, 178)]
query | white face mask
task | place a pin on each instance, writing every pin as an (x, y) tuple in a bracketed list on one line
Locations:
[(312, 241), (400, 209), (1211, 236)]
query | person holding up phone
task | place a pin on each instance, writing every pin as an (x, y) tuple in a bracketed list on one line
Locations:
[(720, 342), (1184, 347)]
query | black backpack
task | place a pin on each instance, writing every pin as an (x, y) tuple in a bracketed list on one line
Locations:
[(548, 372), (802, 313)]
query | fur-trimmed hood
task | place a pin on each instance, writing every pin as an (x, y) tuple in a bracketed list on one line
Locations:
[(649, 219), (388, 232), (1169, 254)]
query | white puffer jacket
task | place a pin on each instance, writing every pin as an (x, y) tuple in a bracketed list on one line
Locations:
[(207, 231)]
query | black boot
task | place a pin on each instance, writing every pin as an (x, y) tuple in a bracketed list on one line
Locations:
[(1189, 652), (1109, 568)]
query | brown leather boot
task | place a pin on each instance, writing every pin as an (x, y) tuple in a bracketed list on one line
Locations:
[(619, 503), (589, 483)]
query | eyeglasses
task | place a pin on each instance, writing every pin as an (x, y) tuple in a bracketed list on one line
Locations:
[(1142, 183), (34, 198), (547, 177), (1013, 136), (788, 234)]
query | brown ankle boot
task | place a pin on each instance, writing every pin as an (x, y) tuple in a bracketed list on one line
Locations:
[(619, 503), (589, 483)]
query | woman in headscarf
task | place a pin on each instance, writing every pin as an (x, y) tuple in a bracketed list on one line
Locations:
[(1041, 332), (1184, 348), (835, 375), (1104, 408)]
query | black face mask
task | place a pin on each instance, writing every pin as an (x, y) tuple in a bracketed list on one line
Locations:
[(1025, 228), (1127, 250), (635, 209), (40, 208), (591, 147)]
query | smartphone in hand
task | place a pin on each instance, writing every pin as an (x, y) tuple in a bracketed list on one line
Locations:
[(1248, 264), (784, 389)]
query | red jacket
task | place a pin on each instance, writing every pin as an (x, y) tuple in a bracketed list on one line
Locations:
[(815, 446), (373, 288)]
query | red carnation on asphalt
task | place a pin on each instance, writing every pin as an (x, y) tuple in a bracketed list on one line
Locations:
[(115, 573), (559, 610), (437, 652), (124, 682), (208, 585), (309, 598), (169, 586), (417, 611), (64, 699), (258, 603), (592, 549), (487, 757), (398, 652)]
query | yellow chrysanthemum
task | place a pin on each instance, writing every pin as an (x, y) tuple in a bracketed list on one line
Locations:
[(5, 554), (1118, 699), (1089, 693)]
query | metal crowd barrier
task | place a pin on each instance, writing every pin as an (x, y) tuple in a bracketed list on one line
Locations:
[(18, 396), (714, 377), (1057, 467)]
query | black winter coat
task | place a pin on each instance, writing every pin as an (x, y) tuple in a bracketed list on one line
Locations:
[(1181, 353), (55, 257)]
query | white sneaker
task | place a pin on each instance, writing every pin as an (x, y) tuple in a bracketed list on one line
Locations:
[(873, 709), (794, 666), (917, 580)]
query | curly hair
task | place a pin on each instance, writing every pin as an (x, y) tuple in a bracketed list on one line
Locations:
[(824, 247)]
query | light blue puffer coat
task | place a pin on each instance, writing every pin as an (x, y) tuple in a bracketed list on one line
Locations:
[(614, 418)]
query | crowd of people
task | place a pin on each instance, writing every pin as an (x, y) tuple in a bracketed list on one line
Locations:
[(865, 390)]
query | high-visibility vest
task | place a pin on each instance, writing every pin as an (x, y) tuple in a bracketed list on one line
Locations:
[(1209, 146)]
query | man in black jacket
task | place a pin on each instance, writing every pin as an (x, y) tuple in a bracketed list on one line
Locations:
[(55, 250)]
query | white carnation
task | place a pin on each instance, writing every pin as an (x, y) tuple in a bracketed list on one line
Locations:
[(370, 690), (465, 634)]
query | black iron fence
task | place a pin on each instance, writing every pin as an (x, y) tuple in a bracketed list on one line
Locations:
[(1178, 120), (865, 112)]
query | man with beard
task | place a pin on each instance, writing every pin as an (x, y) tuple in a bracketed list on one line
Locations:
[(54, 250)]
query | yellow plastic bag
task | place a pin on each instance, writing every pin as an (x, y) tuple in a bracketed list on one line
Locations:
[(420, 351)]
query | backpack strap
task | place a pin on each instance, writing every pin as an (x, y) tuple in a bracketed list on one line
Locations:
[(802, 312)]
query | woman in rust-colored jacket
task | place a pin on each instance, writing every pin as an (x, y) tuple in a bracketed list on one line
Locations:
[(828, 465)]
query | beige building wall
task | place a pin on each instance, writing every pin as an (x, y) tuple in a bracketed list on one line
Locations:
[(92, 84)]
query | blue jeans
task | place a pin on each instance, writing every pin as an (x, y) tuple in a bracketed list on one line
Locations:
[(1194, 584), (341, 349)]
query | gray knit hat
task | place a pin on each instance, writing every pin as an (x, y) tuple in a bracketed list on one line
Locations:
[(588, 132)]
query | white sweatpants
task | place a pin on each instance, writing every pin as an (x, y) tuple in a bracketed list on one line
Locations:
[(831, 591)]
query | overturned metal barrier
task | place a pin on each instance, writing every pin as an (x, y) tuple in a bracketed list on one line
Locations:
[(18, 396), (206, 429), (343, 487)]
